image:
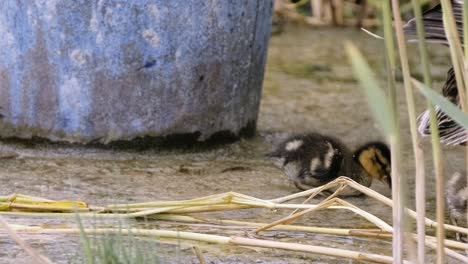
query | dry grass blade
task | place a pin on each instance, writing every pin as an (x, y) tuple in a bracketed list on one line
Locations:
[(328, 204), (400, 220), (341, 187), (199, 254), (433, 244), (375, 233), (236, 241), (36, 257), (227, 198), (369, 192), (295, 216), (315, 249)]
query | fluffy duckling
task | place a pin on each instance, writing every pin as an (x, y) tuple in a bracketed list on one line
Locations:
[(434, 25), (450, 132), (313, 160), (456, 197)]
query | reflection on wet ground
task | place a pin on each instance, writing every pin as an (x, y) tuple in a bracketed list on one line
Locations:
[(308, 87)]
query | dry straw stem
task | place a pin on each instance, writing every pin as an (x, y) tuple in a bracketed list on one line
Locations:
[(371, 218), (340, 188), (374, 233), (465, 41), (369, 192), (215, 239), (433, 244), (199, 254), (384, 112), (457, 61), (36, 257), (419, 156), (29, 203), (329, 203), (420, 183), (278, 203), (334, 203)]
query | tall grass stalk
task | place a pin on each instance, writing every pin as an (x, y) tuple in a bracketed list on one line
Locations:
[(36, 257), (456, 53), (436, 148), (465, 64), (465, 36), (461, 80), (395, 143)]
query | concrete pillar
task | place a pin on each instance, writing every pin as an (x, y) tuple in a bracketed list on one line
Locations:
[(105, 70)]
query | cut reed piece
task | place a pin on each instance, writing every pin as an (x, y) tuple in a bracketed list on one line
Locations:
[(36, 257), (199, 254), (375, 233), (220, 202), (420, 182), (215, 239), (28, 203), (402, 222), (326, 204), (369, 192)]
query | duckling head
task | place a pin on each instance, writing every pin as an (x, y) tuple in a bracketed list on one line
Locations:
[(375, 159), (308, 159)]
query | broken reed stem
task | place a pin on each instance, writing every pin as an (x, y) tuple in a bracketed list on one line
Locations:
[(418, 154), (448, 252), (465, 64), (278, 203), (333, 195), (458, 66), (36, 257), (334, 203), (370, 233), (371, 193), (237, 241), (369, 217), (199, 255), (374, 233), (394, 140), (215, 239), (456, 53), (435, 140)]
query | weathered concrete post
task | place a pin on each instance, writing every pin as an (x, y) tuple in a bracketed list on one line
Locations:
[(80, 70)]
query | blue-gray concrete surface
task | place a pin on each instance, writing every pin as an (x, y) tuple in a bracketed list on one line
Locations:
[(82, 70)]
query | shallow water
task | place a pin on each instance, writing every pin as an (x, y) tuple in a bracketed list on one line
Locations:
[(308, 87)]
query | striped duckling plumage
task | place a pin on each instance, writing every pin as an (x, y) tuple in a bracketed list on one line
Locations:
[(312, 160), (451, 133)]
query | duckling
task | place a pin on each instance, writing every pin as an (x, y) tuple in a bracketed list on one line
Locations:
[(312, 160), (456, 198), (434, 25), (451, 133)]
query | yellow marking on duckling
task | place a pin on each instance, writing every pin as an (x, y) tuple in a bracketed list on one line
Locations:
[(368, 159)]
